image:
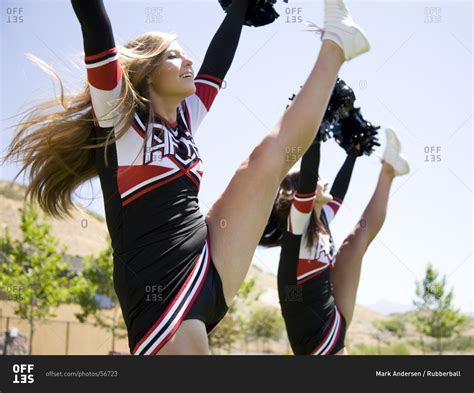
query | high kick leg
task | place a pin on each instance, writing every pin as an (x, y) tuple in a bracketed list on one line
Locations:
[(237, 220), (345, 275)]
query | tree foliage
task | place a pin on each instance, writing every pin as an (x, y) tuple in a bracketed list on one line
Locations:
[(34, 271), (436, 317), (94, 281), (265, 323)]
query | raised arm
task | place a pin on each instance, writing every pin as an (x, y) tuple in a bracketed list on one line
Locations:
[(343, 178), (221, 51), (103, 68), (303, 202), (340, 185), (95, 24), (218, 59)]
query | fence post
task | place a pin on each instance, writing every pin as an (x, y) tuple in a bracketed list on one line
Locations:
[(5, 343), (67, 337)]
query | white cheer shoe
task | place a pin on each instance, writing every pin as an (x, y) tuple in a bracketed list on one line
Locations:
[(341, 28), (393, 156)]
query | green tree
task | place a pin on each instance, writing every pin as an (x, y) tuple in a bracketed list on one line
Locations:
[(34, 271), (97, 279), (436, 317), (265, 323)]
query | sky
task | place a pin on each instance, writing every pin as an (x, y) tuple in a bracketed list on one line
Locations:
[(417, 78)]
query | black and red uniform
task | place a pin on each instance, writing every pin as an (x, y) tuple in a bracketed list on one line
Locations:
[(313, 321), (163, 271)]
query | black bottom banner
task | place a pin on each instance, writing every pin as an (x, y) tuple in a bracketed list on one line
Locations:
[(236, 373)]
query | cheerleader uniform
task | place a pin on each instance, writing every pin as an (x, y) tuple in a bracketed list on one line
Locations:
[(163, 269), (314, 324)]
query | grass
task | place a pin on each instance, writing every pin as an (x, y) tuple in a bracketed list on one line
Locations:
[(393, 349), (454, 344)]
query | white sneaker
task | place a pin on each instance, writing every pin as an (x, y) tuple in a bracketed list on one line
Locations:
[(392, 155), (341, 28)]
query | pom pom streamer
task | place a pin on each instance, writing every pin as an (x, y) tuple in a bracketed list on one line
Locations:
[(259, 13), (345, 123), (355, 130)]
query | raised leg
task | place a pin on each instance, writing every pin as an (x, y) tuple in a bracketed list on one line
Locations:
[(346, 273), (237, 220)]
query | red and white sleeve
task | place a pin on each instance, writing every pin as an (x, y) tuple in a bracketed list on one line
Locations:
[(300, 213), (199, 104), (105, 82), (330, 209)]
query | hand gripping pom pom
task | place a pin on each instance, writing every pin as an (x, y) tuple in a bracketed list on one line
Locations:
[(259, 12), (355, 130)]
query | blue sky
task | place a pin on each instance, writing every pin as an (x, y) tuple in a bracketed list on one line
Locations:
[(417, 78)]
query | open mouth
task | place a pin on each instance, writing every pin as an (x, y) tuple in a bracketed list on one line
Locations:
[(187, 75)]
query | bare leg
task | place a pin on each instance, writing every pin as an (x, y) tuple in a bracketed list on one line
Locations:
[(189, 339), (237, 220), (346, 273)]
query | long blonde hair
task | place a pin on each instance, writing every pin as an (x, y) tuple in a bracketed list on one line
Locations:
[(55, 140)]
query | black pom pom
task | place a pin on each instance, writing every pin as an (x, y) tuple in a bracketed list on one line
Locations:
[(345, 123), (259, 13), (341, 102), (354, 130)]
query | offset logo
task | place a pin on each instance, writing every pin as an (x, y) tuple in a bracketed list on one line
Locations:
[(23, 373)]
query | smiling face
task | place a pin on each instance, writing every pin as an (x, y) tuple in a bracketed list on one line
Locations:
[(174, 76), (322, 192)]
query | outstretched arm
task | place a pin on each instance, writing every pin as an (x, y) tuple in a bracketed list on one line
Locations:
[(221, 51), (103, 68), (343, 178), (304, 199), (95, 24), (217, 62), (309, 170), (340, 186)]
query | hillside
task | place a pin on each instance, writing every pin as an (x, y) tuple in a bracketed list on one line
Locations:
[(84, 233)]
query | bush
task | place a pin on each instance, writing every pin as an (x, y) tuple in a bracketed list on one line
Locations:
[(394, 326), (265, 323), (225, 335)]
